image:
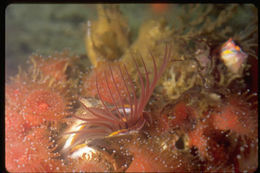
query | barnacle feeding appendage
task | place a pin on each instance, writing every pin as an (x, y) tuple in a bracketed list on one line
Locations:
[(126, 113)]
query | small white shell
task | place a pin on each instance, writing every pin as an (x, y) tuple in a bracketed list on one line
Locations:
[(232, 56)]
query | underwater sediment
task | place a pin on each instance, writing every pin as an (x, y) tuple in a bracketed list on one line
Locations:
[(174, 99)]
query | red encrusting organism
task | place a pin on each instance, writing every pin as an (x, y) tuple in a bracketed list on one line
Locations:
[(179, 115), (102, 71), (43, 104), (30, 153), (14, 125), (238, 115), (54, 66), (159, 7), (122, 117), (199, 140), (35, 102), (144, 161), (15, 94)]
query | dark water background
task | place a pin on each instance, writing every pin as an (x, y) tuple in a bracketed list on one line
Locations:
[(45, 28)]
